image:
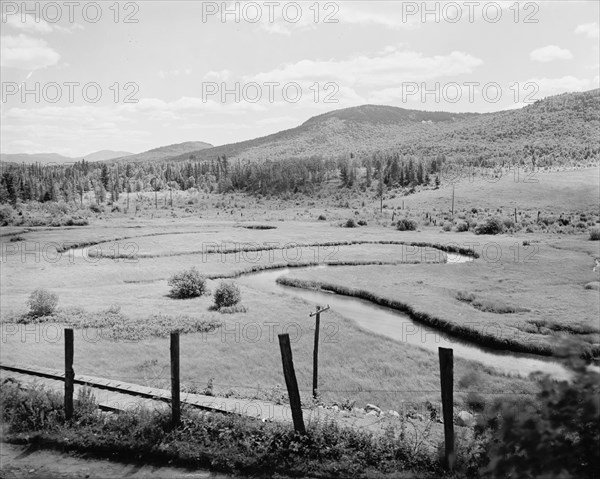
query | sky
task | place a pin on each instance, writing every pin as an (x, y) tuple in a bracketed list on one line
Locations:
[(79, 77)]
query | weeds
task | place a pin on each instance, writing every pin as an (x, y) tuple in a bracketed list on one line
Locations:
[(225, 443)]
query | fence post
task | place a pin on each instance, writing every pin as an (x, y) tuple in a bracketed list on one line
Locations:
[(175, 396), (69, 373), (291, 383), (316, 355), (317, 313), (447, 386)]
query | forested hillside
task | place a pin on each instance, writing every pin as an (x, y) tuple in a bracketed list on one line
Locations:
[(397, 148)]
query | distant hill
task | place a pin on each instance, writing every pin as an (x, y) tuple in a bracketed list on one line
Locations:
[(167, 152), (558, 125), (104, 155), (160, 153), (43, 158)]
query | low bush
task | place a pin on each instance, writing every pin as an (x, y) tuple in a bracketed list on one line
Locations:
[(406, 224), (447, 226), (595, 234), (42, 303), (492, 226), (508, 223), (462, 226), (188, 284), (7, 214), (350, 223), (227, 295), (322, 218), (556, 435), (362, 223)]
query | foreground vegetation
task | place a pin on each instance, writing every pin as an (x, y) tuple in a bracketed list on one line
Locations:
[(554, 435)]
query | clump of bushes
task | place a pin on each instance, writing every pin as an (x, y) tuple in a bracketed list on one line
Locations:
[(406, 224), (350, 223), (322, 218), (462, 226), (492, 226), (6, 215), (362, 223), (595, 234), (447, 226), (227, 295), (188, 284), (42, 303), (560, 425)]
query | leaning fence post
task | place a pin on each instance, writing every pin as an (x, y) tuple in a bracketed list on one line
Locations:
[(447, 385), (175, 396), (291, 383), (69, 373)]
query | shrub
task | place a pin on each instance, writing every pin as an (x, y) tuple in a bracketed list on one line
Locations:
[(447, 226), (227, 295), (188, 284), (561, 426), (32, 409), (350, 223), (362, 223), (492, 226), (595, 234), (462, 226), (406, 224), (6, 215), (508, 223), (42, 303), (96, 208), (475, 401), (322, 218)]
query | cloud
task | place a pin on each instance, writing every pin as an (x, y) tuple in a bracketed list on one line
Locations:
[(31, 24), (389, 67), (550, 53), (27, 23), (324, 15), (554, 86), (591, 30), (174, 73), (26, 53), (218, 76)]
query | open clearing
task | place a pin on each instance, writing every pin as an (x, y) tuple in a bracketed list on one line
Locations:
[(546, 279)]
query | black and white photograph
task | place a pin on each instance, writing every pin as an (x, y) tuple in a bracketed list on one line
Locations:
[(300, 239)]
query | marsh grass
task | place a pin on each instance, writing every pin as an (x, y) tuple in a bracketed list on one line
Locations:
[(114, 325), (488, 305)]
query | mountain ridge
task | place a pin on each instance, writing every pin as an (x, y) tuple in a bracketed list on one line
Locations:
[(563, 121)]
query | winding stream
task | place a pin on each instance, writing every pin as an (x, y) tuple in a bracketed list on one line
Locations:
[(395, 324), (400, 327)]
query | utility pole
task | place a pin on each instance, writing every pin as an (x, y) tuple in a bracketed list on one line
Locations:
[(317, 313)]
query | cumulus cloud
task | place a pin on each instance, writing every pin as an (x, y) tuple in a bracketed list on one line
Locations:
[(591, 30), (26, 53), (35, 25), (386, 68), (554, 86), (550, 53)]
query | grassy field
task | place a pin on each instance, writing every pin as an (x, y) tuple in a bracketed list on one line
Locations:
[(356, 364), (529, 286)]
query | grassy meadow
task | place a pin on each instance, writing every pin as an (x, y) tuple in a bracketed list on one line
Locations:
[(529, 285)]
